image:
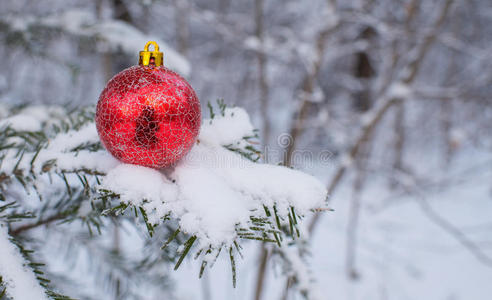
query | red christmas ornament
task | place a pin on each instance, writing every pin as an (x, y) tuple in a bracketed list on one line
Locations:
[(147, 114)]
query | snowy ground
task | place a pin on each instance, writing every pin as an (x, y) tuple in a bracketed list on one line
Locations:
[(402, 254)]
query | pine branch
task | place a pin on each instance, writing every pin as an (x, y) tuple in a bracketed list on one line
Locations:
[(38, 156), (36, 268), (3, 289), (271, 228), (22, 228)]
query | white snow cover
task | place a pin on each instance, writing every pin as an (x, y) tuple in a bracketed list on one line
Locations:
[(213, 189), (59, 150), (20, 281), (30, 118), (60, 146)]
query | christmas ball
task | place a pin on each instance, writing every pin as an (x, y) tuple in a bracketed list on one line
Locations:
[(147, 114)]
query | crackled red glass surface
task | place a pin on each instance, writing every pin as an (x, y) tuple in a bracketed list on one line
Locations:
[(148, 116)]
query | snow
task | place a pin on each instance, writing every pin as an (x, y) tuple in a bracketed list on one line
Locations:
[(400, 253), (131, 40), (30, 118), (118, 35), (20, 281), (399, 90), (214, 190), (114, 34), (60, 147), (227, 129), (60, 152), (21, 123), (135, 183)]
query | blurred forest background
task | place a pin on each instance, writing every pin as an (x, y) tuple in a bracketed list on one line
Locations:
[(386, 101)]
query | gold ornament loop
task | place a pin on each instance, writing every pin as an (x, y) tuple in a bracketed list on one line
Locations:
[(152, 58)]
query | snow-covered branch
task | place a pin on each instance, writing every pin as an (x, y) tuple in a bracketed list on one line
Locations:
[(20, 282), (215, 197), (112, 35)]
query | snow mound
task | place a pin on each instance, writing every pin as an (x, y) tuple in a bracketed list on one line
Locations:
[(213, 190)]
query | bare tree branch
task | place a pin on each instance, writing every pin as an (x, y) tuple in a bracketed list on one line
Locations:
[(447, 226), (262, 68), (380, 111), (260, 279), (26, 227), (308, 87), (354, 151)]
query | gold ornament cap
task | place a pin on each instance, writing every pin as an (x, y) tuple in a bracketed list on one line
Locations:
[(152, 58)]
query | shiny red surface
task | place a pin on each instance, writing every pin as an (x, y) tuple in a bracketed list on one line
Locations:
[(148, 116)]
